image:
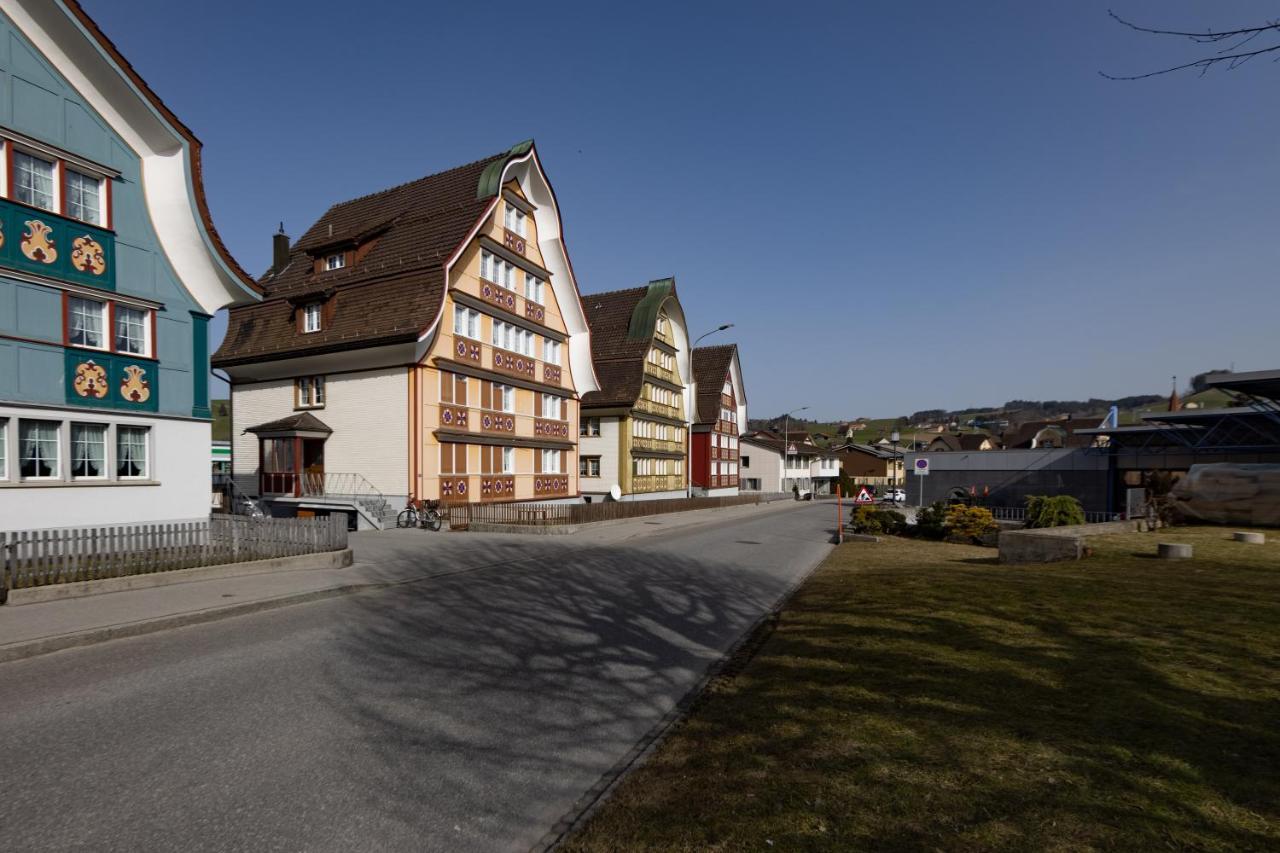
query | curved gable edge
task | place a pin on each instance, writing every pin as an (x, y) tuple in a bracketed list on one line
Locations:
[(527, 169), (168, 150), (739, 389)]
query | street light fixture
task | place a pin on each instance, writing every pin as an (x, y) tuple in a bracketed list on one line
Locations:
[(712, 332)]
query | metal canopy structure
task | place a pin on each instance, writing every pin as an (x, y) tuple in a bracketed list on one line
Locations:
[(1250, 427)]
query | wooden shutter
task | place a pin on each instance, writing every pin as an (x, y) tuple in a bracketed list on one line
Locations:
[(486, 394), (537, 461), (446, 459), (446, 387)]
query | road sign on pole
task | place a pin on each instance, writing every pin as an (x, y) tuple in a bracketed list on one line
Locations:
[(921, 466), (864, 496)]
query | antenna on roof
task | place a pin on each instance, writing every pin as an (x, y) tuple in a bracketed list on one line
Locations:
[(281, 231)]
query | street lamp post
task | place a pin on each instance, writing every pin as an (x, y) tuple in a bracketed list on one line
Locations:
[(712, 332), (894, 437), (786, 443), (688, 473)]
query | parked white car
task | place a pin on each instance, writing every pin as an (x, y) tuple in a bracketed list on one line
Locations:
[(894, 496)]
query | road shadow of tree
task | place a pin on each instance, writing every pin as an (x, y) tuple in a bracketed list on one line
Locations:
[(503, 694)]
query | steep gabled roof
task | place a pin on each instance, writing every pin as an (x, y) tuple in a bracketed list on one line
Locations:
[(710, 367), (622, 326), (394, 289)]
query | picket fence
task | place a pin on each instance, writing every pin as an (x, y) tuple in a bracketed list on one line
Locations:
[(41, 557), (461, 516)]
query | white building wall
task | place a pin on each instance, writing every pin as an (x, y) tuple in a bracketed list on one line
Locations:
[(605, 446), (178, 489), (766, 466), (367, 411)]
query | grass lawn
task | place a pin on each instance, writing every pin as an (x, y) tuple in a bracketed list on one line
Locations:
[(919, 696)]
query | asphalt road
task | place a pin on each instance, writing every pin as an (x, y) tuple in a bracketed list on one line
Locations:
[(467, 712)]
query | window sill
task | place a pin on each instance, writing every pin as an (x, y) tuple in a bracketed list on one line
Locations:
[(72, 484)]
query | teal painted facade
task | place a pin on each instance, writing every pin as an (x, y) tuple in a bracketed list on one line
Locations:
[(35, 365)]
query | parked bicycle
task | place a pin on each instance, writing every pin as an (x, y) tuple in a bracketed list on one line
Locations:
[(424, 514)]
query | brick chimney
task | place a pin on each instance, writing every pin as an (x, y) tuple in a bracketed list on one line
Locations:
[(279, 250)]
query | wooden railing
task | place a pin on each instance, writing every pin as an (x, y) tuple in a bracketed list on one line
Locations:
[(41, 557), (657, 482), (461, 516), (640, 442)]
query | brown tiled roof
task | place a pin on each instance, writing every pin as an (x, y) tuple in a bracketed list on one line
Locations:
[(298, 422), (394, 290), (618, 359), (710, 365)]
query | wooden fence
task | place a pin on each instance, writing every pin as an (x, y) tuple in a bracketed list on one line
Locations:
[(40, 557), (461, 516)]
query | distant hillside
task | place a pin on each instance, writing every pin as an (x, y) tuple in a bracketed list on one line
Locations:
[(221, 419)]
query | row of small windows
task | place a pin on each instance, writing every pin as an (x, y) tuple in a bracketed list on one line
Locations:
[(728, 442), (662, 359), (54, 185), (730, 415), (497, 397), (724, 469), (92, 451), (662, 396), (503, 273), (641, 428), (644, 466), (504, 335), (497, 460), (108, 326)]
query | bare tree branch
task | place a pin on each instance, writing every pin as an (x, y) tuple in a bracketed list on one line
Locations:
[(1228, 56)]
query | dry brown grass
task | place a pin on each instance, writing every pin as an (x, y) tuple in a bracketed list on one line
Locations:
[(919, 696)]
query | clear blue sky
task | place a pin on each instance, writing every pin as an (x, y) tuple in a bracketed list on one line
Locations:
[(901, 206)]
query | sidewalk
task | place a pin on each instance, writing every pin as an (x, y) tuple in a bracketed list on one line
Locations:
[(382, 559)]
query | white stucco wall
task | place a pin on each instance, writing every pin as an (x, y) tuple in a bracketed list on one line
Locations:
[(367, 411), (605, 446), (178, 489), (766, 466)]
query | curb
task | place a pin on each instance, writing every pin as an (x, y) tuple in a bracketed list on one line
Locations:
[(598, 794), (83, 589), (45, 645)]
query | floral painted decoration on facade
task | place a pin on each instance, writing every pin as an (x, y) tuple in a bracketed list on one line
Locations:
[(38, 243), (87, 255), (90, 380), (134, 388)]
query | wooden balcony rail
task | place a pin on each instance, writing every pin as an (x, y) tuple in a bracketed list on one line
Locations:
[(665, 445)]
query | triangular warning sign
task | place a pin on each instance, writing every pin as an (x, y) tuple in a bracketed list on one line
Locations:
[(864, 496)]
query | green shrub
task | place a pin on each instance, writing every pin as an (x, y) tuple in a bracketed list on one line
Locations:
[(969, 523), (873, 520), (1053, 511), (931, 522)]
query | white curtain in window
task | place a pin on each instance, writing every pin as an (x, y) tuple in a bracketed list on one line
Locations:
[(131, 451), (88, 450), (39, 448)]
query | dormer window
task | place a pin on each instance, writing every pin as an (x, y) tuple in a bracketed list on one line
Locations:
[(311, 317), (514, 220), (335, 262)]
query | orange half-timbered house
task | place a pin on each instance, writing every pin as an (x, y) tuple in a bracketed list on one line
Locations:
[(434, 337)]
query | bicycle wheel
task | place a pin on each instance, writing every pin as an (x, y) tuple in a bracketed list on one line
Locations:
[(407, 518), (432, 520)]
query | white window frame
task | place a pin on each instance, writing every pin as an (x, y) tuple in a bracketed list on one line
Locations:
[(4, 449), (104, 461), (336, 261), (146, 329), (534, 288), (551, 460), (57, 447), (99, 214), (146, 451), (508, 397), (56, 176), (508, 460), (105, 331), (550, 351), (466, 322), (311, 318), (310, 392), (515, 220)]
